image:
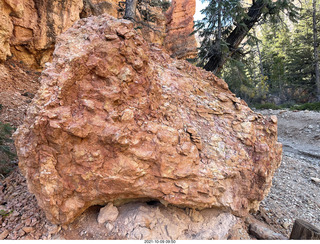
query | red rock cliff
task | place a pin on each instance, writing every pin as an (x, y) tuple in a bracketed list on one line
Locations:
[(29, 28), (179, 27)]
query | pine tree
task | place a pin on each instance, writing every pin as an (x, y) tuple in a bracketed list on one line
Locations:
[(300, 60), (315, 47), (237, 19)]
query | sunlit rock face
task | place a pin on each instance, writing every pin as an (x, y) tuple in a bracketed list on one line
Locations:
[(179, 41), (116, 120), (29, 28)]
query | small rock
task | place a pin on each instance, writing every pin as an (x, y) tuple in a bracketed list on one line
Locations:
[(274, 119), (24, 216), (286, 224), (195, 215), (27, 229), (109, 227), (21, 233), (34, 221), (53, 229), (108, 213), (18, 226), (15, 214), (316, 180), (111, 37), (4, 234), (28, 221)]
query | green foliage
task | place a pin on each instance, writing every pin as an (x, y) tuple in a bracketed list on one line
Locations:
[(234, 13), (242, 73), (207, 28), (5, 133), (7, 154), (287, 105), (267, 106), (5, 213), (276, 61), (288, 58), (160, 3), (307, 106), (275, 41)]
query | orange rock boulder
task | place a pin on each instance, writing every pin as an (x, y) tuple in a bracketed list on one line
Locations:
[(117, 120)]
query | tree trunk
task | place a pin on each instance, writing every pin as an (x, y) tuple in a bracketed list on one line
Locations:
[(260, 57), (130, 11), (219, 34), (315, 47), (235, 38)]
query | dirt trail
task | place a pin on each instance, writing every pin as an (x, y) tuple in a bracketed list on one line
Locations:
[(299, 132), (295, 193)]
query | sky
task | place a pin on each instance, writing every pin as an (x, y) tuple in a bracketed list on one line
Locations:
[(199, 6)]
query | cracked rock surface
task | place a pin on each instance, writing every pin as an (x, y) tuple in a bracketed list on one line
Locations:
[(116, 120), (145, 221)]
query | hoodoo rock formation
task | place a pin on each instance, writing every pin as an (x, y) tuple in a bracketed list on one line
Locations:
[(178, 40), (29, 28), (118, 120)]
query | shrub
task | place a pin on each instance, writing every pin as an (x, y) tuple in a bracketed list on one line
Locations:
[(161, 3), (7, 152), (267, 106), (287, 105), (307, 106)]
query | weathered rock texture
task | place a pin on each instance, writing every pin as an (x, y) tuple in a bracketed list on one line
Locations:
[(178, 40), (18, 85), (117, 119), (144, 222), (29, 28), (6, 28), (36, 25)]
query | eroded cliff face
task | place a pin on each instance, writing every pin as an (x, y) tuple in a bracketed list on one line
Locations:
[(36, 24), (29, 28), (6, 28), (117, 119), (178, 40)]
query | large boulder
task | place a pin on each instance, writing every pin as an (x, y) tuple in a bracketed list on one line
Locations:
[(117, 120)]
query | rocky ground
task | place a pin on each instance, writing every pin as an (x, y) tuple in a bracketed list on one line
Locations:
[(18, 85), (295, 191)]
